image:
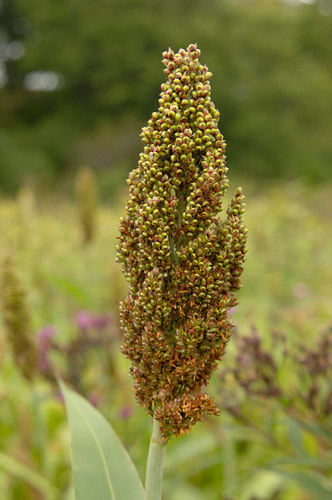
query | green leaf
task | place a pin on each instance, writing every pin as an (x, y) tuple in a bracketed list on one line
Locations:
[(295, 433), (261, 484), (102, 467), (26, 474), (319, 463), (315, 484), (184, 451), (67, 286), (317, 429)]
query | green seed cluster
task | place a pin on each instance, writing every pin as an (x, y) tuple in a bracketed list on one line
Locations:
[(182, 263), (17, 320)]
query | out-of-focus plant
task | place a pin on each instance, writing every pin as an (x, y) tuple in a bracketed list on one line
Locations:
[(42, 354), (96, 334), (256, 370), (270, 378), (183, 265), (17, 321), (86, 192)]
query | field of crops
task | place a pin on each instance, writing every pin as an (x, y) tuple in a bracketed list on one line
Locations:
[(273, 440)]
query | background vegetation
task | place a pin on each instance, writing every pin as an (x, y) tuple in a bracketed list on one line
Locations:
[(78, 80)]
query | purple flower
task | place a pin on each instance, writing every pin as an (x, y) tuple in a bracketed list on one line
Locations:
[(87, 321), (45, 343), (101, 322), (84, 320), (95, 399), (46, 334), (125, 412)]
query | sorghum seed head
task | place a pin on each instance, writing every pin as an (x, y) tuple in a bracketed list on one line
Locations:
[(182, 263), (16, 319)]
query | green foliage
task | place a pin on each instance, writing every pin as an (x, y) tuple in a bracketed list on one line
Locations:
[(277, 389), (272, 453), (19, 162), (102, 468), (272, 64), (27, 475)]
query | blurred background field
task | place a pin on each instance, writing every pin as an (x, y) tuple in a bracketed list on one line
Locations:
[(78, 80)]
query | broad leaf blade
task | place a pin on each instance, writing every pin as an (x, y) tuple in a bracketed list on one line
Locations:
[(102, 467)]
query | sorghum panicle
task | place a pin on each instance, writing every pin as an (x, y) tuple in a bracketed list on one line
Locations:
[(17, 320), (86, 191), (183, 263)]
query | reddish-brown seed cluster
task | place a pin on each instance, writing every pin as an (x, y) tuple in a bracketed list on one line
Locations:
[(181, 261)]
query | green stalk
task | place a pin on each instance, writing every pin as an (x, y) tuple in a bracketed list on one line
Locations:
[(154, 467)]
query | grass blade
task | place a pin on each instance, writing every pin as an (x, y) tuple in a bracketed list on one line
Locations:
[(26, 474)]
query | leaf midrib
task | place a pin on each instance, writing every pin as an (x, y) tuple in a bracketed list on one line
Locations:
[(99, 448)]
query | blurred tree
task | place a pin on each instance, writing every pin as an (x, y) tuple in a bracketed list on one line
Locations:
[(13, 31), (87, 64)]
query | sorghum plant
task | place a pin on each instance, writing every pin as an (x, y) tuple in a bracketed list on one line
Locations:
[(182, 262), (86, 192), (17, 320), (183, 265)]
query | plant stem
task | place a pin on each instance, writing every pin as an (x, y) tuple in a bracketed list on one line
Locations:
[(154, 468)]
